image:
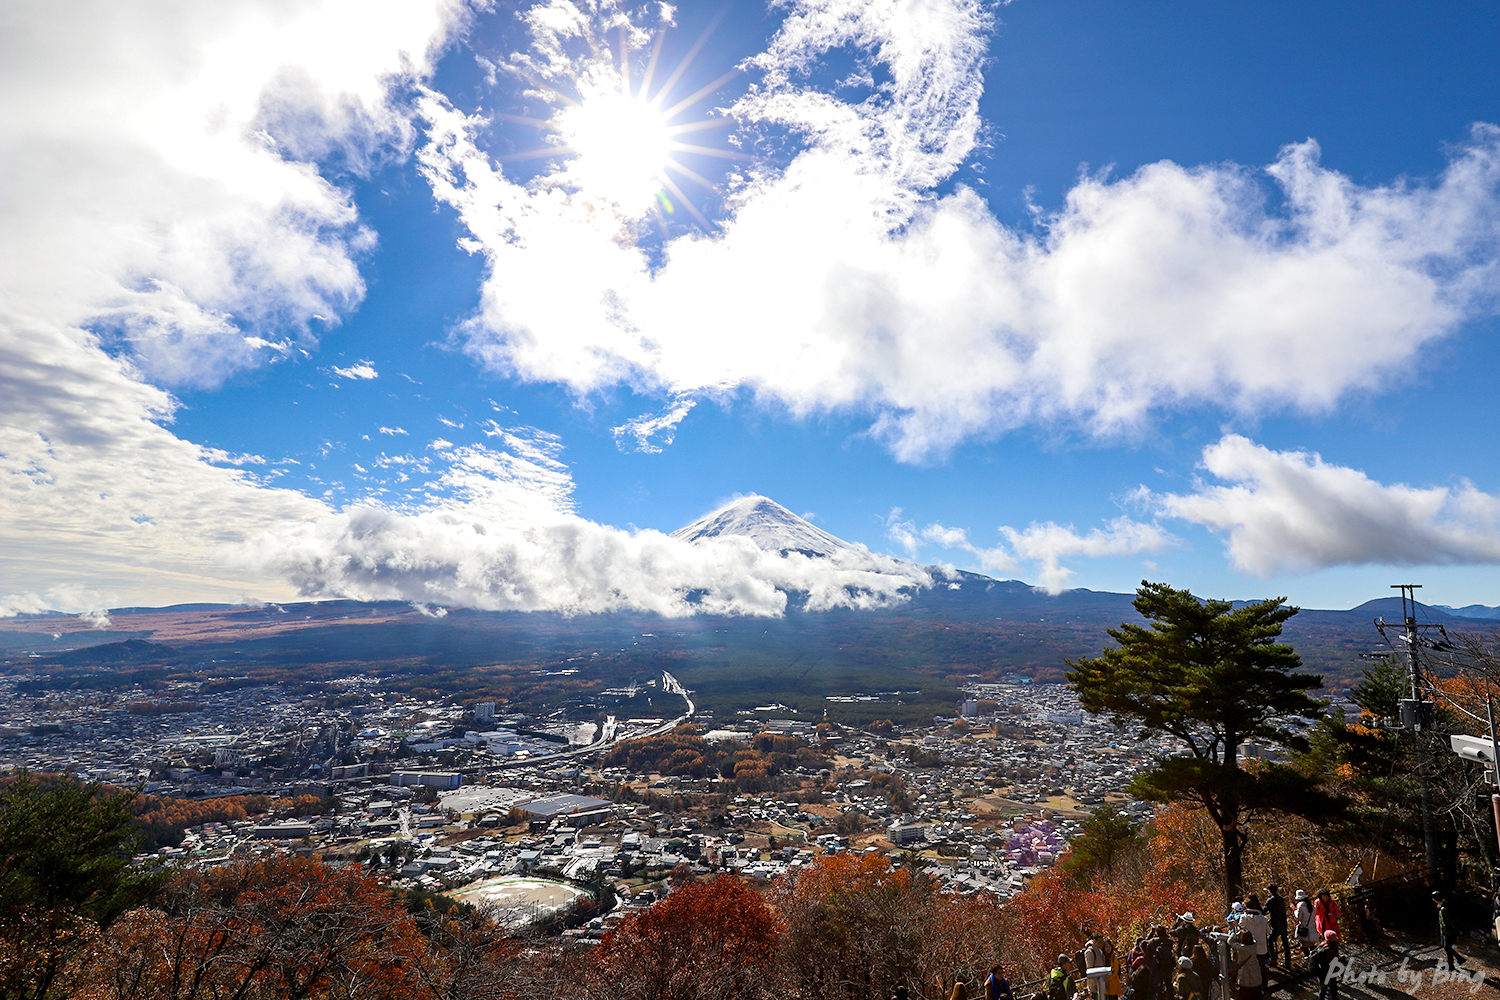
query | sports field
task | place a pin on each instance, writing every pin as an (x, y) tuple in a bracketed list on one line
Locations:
[(517, 900)]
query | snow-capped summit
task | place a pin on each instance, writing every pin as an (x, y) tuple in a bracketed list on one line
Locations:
[(769, 525)]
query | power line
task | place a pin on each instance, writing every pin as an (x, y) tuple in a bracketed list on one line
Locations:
[(1418, 713)]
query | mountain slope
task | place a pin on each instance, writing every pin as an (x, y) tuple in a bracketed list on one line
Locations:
[(769, 525), (1389, 608), (1470, 611)]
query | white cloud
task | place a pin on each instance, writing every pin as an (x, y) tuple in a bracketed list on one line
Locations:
[(1292, 511), (163, 220), (451, 556), (160, 180), (393, 431), (21, 604), (1044, 546), (643, 429), (498, 531), (903, 533), (85, 602), (363, 370), (219, 456), (843, 281), (521, 483), (96, 493), (98, 618)]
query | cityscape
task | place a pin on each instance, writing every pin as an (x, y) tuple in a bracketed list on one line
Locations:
[(802, 499), (467, 800)]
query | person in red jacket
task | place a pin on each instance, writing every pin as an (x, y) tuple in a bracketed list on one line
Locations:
[(1325, 913)]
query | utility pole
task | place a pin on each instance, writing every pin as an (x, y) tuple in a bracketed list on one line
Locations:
[(1418, 715)]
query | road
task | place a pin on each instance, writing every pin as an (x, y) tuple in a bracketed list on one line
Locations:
[(608, 736)]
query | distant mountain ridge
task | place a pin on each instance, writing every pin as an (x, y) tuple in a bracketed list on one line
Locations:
[(1470, 611), (1390, 609), (987, 629), (962, 624), (777, 529)]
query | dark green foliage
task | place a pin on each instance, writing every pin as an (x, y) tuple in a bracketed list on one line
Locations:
[(1384, 685), (1106, 835), (1378, 770), (65, 873), (151, 678), (850, 823), (534, 662), (420, 903), (1204, 671), (1215, 677)]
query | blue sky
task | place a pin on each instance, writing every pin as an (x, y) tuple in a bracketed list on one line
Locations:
[(303, 300)]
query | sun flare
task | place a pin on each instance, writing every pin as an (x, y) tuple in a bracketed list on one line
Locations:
[(621, 139), (621, 146)]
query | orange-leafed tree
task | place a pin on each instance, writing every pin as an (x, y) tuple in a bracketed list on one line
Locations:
[(1054, 915), (708, 940), (857, 927), (281, 928), (1120, 887), (963, 938)]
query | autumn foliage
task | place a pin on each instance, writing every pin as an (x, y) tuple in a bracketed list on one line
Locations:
[(164, 820), (284, 928), (857, 927), (847, 925), (1173, 867), (685, 753), (711, 940)]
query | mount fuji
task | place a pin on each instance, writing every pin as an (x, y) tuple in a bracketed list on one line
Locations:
[(853, 623), (770, 526)]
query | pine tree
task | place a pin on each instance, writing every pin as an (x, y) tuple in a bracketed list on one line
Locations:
[(1215, 677), (65, 875)]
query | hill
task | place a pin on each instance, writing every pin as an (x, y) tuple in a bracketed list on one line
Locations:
[(906, 660)]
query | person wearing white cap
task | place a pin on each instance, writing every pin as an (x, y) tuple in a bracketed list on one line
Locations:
[(1305, 934), (1188, 983)]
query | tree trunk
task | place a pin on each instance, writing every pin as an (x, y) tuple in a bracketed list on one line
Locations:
[(1234, 852)]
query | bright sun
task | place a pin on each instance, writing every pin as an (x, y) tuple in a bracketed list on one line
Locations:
[(621, 145)]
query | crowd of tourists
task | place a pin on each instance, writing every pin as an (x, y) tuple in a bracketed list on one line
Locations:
[(1193, 960), (1231, 959)]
